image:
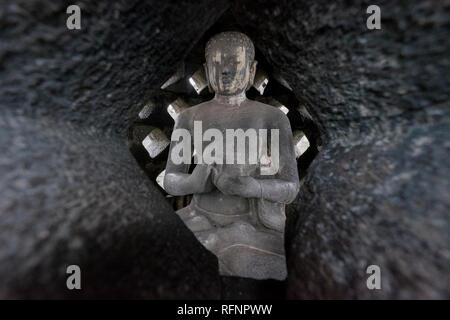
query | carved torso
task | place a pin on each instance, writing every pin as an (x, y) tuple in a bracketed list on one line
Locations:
[(249, 115)]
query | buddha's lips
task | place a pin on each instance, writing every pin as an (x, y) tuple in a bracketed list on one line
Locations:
[(227, 80)]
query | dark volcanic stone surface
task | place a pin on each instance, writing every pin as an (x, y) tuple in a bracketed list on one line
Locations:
[(70, 190), (75, 196), (378, 192)]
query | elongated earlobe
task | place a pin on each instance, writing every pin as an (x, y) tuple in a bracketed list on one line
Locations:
[(251, 77), (205, 66)]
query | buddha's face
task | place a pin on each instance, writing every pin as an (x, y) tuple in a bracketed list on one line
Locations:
[(228, 69)]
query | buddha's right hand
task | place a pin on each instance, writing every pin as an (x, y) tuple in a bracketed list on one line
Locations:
[(201, 179)]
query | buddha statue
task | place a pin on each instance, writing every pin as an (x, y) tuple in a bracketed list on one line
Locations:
[(238, 208)]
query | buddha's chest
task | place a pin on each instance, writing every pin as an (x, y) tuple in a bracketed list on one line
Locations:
[(231, 119)]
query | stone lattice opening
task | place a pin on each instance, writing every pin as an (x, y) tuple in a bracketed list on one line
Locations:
[(149, 135)]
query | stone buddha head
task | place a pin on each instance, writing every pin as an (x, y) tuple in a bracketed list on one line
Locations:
[(230, 63)]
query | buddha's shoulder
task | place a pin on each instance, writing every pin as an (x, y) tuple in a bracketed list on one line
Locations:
[(261, 109), (198, 108), (190, 112), (267, 110)]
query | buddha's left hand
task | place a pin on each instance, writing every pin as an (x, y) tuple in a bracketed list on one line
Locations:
[(243, 186)]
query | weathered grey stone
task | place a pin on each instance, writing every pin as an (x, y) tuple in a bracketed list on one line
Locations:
[(378, 192), (70, 190)]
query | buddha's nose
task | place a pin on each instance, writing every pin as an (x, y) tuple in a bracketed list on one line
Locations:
[(225, 71)]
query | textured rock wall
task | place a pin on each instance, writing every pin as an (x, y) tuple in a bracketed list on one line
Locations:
[(70, 190), (378, 192)]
